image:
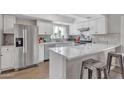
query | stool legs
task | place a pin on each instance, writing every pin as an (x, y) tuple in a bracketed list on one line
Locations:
[(109, 62), (121, 65), (105, 73), (90, 74), (98, 73), (82, 69)]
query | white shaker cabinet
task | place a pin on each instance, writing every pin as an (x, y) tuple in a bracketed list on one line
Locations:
[(9, 22), (45, 27), (7, 58), (41, 53), (92, 26), (114, 22), (98, 26), (101, 26)]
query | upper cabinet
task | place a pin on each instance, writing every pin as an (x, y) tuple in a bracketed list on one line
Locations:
[(101, 26), (92, 26), (114, 23), (96, 26), (45, 27), (9, 22)]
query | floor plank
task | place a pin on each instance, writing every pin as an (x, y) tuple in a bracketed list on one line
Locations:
[(38, 72), (42, 72)]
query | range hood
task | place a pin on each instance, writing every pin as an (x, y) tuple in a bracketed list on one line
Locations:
[(84, 29)]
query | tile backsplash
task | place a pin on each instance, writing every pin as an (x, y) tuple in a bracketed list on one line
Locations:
[(45, 37), (107, 38)]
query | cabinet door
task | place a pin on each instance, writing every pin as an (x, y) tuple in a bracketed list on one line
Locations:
[(41, 53), (49, 28), (46, 50), (101, 26), (40, 27), (92, 25), (7, 58), (44, 27), (9, 22)]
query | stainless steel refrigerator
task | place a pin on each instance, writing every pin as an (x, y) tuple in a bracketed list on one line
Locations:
[(26, 47)]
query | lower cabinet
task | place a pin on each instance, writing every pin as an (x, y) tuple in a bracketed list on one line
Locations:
[(46, 50), (41, 53), (7, 58)]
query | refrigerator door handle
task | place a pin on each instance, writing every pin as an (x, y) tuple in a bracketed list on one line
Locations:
[(23, 40)]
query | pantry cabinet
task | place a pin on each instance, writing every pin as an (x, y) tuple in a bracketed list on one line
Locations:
[(7, 58), (45, 27), (9, 22)]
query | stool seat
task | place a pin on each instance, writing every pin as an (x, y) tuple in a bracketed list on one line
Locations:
[(92, 64), (98, 65), (90, 61)]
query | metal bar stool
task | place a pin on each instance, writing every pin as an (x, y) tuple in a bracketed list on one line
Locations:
[(92, 64), (109, 61), (84, 64)]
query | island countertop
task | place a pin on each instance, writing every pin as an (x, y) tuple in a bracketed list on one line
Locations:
[(71, 52)]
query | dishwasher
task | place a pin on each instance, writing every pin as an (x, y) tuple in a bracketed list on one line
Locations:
[(46, 50)]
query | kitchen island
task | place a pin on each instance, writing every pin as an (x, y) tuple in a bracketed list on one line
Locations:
[(65, 62)]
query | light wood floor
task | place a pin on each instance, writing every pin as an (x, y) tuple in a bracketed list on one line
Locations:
[(42, 72), (38, 72)]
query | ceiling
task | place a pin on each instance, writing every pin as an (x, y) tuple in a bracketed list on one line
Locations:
[(84, 16), (89, 16), (66, 18)]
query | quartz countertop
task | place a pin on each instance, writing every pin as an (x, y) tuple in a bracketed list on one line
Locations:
[(71, 52), (56, 42)]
